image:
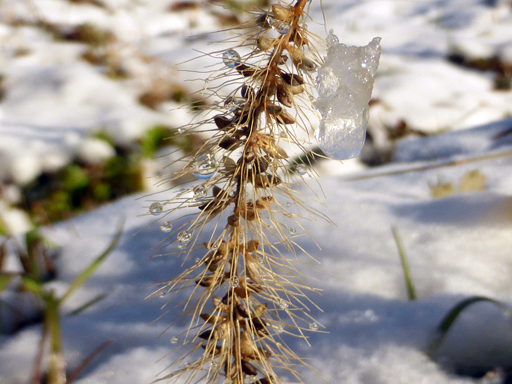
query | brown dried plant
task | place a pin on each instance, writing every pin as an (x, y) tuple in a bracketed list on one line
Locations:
[(243, 293)]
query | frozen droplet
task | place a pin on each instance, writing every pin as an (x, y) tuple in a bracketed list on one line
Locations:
[(174, 340), (197, 260), (302, 170), (166, 226), (278, 328), (283, 304), (344, 88), (214, 363), (343, 138), (231, 58), (200, 192), (313, 326), (205, 166), (156, 209), (288, 204), (162, 294), (332, 39), (292, 231), (234, 282), (283, 135), (186, 365), (279, 26), (184, 237), (181, 131)]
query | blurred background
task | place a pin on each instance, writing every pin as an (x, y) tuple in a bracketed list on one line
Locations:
[(91, 96)]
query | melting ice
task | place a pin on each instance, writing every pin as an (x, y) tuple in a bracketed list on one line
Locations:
[(344, 85)]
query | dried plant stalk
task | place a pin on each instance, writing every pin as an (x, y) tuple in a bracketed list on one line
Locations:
[(242, 294)]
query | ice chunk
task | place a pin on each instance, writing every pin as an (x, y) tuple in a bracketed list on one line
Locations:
[(344, 85)]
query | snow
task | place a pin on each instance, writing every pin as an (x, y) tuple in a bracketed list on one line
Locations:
[(457, 247)]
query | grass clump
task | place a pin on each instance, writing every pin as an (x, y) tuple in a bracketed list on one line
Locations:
[(243, 294)]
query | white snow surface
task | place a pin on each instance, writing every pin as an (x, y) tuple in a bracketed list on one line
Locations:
[(457, 247)]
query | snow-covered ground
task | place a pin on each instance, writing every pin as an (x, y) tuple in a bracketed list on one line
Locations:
[(458, 246)]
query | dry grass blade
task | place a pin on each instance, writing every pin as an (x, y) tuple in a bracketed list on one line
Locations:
[(244, 293)]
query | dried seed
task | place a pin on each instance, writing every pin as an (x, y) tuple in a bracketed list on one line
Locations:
[(267, 380), (222, 122), (217, 191), (264, 181), (273, 109), (210, 318), (281, 12), (210, 280), (282, 60), (292, 79), (229, 143), (206, 335), (284, 95), (259, 310), (285, 118), (245, 70), (249, 369), (264, 202), (260, 165), (241, 311), (247, 92), (305, 64), (265, 43), (233, 221), (296, 89), (252, 246), (262, 21)]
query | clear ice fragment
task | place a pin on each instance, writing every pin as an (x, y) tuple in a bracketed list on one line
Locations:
[(344, 85)]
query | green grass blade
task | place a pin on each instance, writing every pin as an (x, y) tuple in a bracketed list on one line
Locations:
[(449, 319), (73, 375), (90, 303), (5, 280), (32, 285), (88, 272), (411, 292), (56, 363)]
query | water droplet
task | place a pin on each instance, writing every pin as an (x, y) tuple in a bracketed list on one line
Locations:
[(181, 131), (279, 26), (302, 170), (197, 260), (332, 39), (283, 304), (231, 58), (205, 166), (166, 226), (278, 328), (156, 209), (174, 340), (200, 193), (313, 326), (292, 231), (186, 365), (288, 204), (162, 294), (235, 281), (215, 364), (283, 135), (184, 237)]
